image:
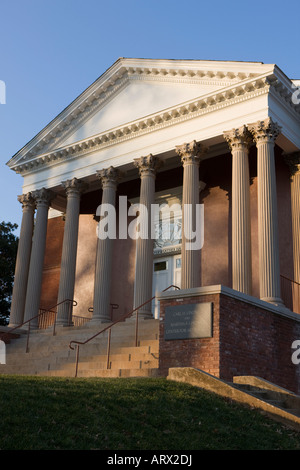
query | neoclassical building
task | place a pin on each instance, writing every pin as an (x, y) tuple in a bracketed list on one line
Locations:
[(221, 135)]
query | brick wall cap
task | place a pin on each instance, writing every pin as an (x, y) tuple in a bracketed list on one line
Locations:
[(227, 291)]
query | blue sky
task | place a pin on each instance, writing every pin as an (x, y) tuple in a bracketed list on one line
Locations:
[(51, 50)]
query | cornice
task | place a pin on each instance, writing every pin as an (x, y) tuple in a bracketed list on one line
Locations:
[(283, 92)]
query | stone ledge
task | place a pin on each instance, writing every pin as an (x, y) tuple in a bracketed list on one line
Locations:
[(219, 289), (215, 385)]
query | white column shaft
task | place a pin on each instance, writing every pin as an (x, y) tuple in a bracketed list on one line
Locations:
[(37, 259), (103, 272), (22, 262), (241, 235), (144, 250), (293, 160), (268, 224), (295, 197), (144, 246), (69, 253), (265, 132), (239, 140), (190, 155), (190, 259)]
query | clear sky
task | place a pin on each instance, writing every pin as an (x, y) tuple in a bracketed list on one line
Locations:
[(51, 50)]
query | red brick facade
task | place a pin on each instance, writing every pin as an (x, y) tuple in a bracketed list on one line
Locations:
[(52, 260), (247, 340)]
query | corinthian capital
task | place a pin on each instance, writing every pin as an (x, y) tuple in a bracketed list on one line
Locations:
[(43, 196), (191, 152), (147, 165), (265, 131), (74, 186), (293, 162), (109, 176), (238, 138), (26, 200)]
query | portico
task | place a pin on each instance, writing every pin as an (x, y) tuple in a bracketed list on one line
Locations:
[(225, 125)]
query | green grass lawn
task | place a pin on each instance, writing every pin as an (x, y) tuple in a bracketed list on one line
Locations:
[(129, 414)]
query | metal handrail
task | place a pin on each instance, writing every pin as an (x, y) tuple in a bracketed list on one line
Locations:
[(124, 317), (113, 307), (74, 303), (290, 292), (291, 280)]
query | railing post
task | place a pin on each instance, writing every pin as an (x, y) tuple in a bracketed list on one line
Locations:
[(136, 327), (77, 359), (108, 348), (28, 333), (70, 313), (54, 324)]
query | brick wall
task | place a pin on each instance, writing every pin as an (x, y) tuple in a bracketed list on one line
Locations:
[(199, 353), (51, 269), (247, 340)]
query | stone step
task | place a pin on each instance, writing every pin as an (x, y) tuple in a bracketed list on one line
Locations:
[(142, 353), (96, 364), (128, 327), (68, 334), (51, 354), (92, 363), (273, 397), (125, 353), (105, 373)]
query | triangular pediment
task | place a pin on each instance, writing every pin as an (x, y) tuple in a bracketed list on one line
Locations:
[(134, 90), (138, 99)]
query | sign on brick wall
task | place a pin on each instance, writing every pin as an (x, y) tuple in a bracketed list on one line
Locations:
[(188, 321)]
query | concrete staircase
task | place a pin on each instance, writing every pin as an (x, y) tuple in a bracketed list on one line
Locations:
[(278, 403), (50, 355), (270, 394)]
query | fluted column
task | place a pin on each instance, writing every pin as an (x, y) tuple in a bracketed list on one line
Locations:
[(22, 261), (101, 310), (42, 198), (293, 161), (144, 246), (238, 141), (73, 188), (190, 155), (265, 133)]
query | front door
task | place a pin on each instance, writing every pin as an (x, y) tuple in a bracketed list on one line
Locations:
[(166, 272)]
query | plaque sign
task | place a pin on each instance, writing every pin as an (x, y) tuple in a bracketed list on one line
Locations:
[(189, 321)]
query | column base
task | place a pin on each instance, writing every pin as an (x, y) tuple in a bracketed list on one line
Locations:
[(273, 300), (62, 323), (13, 325), (145, 315), (98, 321)]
